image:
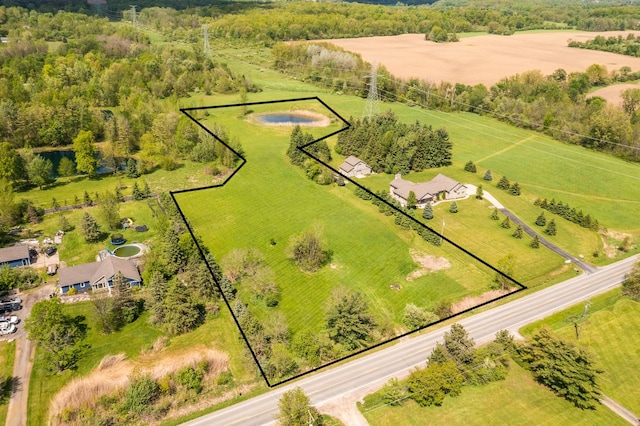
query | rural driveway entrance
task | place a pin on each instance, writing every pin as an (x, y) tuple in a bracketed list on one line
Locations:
[(588, 269), (25, 349)]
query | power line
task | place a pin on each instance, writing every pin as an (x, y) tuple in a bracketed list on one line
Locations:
[(372, 106), (134, 18)]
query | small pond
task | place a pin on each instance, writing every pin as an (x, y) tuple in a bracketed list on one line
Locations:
[(291, 118), (127, 251), (56, 156)]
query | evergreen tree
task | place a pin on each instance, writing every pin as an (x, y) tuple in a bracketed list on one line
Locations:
[(146, 191), (64, 224), (158, 288), (87, 199), (494, 215), (470, 167), (506, 223), (132, 168), (297, 139), (551, 228), (541, 220), (76, 201), (137, 193), (535, 243), (479, 193), (514, 189), (427, 213), (181, 312), (54, 204), (503, 183), (453, 208), (411, 200), (561, 366), (487, 175), (518, 232), (89, 229)]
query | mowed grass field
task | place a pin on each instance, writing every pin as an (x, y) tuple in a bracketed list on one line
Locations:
[(612, 331), (518, 400), (270, 199)]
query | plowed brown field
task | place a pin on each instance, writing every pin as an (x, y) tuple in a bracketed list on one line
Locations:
[(484, 59)]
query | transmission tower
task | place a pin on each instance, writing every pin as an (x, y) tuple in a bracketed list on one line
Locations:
[(134, 18), (372, 107), (207, 48)]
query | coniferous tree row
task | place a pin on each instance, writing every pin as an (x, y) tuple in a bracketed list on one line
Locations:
[(389, 146), (568, 213)]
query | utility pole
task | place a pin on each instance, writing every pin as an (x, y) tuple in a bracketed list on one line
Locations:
[(584, 315), (134, 18), (207, 48), (372, 107), (442, 232)]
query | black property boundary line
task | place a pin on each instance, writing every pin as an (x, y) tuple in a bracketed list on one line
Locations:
[(302, 149)]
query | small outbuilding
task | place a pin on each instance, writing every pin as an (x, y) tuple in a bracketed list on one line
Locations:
[(354, 167)]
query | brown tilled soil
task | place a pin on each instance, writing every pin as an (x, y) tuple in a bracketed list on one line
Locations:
[(484, 59), (427, 262), (613, 94)]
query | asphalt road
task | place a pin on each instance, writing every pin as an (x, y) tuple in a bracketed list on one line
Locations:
[(397, 360)]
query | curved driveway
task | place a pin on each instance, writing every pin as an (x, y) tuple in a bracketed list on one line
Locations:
[(374, 369)]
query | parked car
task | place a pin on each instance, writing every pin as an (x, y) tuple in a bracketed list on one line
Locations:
[(10, 319), (7, 328)]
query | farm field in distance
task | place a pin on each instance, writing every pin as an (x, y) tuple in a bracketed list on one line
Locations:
[(466, 60)]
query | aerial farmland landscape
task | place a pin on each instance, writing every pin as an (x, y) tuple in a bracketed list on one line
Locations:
[(319, 213)]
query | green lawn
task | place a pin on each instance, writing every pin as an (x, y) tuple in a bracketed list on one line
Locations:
[(612, 331), (518, 400), (7, 358)]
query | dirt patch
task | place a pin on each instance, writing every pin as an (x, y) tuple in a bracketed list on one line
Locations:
[(611, 241), (427, 262), (319, 120), (484, 59), (471, 301)]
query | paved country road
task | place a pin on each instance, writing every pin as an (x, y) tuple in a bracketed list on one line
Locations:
[(373, 370)]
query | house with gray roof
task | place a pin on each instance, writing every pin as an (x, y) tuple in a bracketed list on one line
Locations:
[(440, 187), (353, 166), (97, 276), (15, 256)]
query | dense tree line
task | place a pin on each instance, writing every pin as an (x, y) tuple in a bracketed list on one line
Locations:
[(389, 146), (568, 213), (628, 45), (452, 365)]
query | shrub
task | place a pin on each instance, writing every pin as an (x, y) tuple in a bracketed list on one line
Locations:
[(191, 378), (470, 167), (142, 392), (72, 291)]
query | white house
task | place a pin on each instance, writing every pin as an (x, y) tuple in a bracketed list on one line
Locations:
[(440, 187), (353, 166)]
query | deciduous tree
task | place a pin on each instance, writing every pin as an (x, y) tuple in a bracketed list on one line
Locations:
[(411, 200), (85, 150), (348, 319), (57, 333), (296, 410), (631, 283)]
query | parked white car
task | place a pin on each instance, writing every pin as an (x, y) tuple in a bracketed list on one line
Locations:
[(11, 320), (7, 328)]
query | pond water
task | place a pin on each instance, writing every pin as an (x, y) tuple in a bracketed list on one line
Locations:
[(56, 156), (127, 251), (282, 118)]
